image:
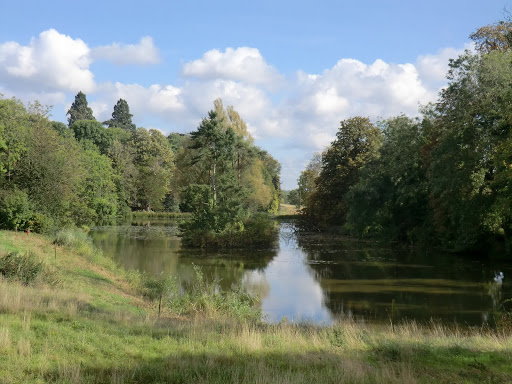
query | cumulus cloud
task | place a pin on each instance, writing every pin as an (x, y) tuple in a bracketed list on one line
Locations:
[(433, 68), (240, 64), (300, 119), (143, 53), (51, 62)]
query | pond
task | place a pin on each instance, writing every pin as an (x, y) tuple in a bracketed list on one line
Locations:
[(322, 278)]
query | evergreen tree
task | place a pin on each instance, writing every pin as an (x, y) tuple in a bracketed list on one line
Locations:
[(121, 117), (79, 110)]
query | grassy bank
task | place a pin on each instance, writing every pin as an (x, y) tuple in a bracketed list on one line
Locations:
[(82, 320)]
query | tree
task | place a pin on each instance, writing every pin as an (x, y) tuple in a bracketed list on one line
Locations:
[(79, 110), (466, 150), (97, 201), (307, 178), (62, 129), (493, 37), (121, 117), (14, 133), (94, 132), (357, 142), (390, 198), (213, 147), (153, 159)]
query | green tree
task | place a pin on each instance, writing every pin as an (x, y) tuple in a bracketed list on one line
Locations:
[(50, 171), (153, 159), (390, 198), (93, 131), (307, 178), (97, 201), (79, 110), (14, 132), (214, 148), (121, 117), (468, 144), (357, 143)]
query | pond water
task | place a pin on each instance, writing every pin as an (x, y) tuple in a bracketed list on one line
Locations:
[(322, 278)]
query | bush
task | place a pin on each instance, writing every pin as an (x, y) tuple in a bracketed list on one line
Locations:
[(75, 238), (41, 223), (258, 230), (156, 288), (24, 268), (200, 296), (15, 210)]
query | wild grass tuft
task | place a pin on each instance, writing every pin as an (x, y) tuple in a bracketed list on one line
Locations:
[(24, 268)]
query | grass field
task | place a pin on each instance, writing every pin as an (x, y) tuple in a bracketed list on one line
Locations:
[(82, 320)]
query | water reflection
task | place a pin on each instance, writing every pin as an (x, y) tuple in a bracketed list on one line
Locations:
[(366, 281), (321, 278)]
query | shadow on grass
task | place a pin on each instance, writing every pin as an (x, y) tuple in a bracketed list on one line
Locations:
[(383, 364)]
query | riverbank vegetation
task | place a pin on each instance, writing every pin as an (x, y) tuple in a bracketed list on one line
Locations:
[(89, 323), (443, 178), (93, 173)]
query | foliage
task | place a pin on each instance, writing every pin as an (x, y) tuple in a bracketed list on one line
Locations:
[(357, 143), (202, 297), (62, 129), (468, 151), (121, 117), (307, 179), (79, 110), (156, 288), (14, 131), (94, 132), (24, 268), (153, 160), (74, 238), (98, 201), (493, 37), (15, 210), (391, 197)]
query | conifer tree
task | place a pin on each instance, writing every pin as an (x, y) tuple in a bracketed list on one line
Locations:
[(121, 117), (79, 110)]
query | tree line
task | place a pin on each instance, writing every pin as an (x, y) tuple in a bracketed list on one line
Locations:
[(443, 178), (90, 172)]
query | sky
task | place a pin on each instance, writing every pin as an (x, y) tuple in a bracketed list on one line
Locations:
[(292, 69)]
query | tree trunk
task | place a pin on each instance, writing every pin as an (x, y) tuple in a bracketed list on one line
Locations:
[(214, 186)]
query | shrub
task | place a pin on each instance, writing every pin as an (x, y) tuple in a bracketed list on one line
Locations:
[(75, 238), (24, 268), (156, 288), (41, 223), (258, 230), (200, 296), (15, 209)]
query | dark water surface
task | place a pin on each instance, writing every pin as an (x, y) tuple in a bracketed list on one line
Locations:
[(322, 278)]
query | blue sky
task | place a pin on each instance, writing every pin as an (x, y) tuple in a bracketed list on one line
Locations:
[(293, 69)]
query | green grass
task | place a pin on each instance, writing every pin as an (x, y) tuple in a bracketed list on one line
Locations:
[(92, 326)]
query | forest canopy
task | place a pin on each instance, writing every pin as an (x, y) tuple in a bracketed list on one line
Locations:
[(90, 173), (444, 178)]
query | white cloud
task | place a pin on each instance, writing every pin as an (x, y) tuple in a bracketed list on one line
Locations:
[(301, 118), (240, 64), (433, 68), (143, 53), (51, 62)]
